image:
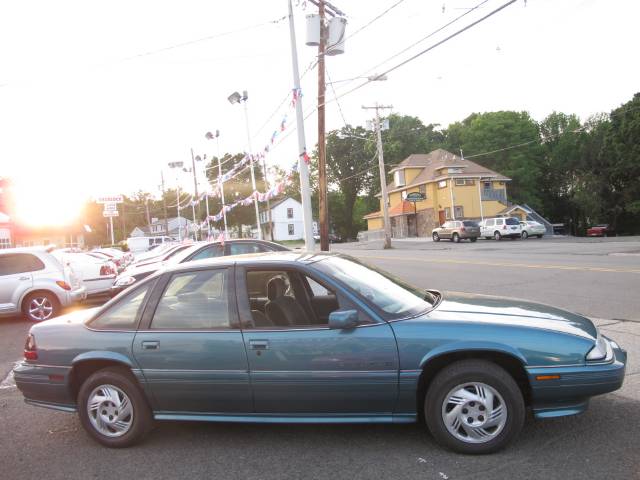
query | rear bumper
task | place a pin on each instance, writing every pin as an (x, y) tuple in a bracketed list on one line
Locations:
[(570, 394), (45, 385), (75, 296)]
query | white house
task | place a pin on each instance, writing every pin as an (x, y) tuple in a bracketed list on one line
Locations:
[(157, 228), (286, 216)]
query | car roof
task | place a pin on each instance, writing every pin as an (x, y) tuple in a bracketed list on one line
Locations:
[(282, 258)]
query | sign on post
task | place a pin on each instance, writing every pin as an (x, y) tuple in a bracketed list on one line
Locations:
[(415, 197), (110, 207), (107, 213), (110, 199)]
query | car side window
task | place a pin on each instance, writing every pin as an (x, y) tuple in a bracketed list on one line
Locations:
[(19, 263), (243, 247), (489, 223), (197, 300), (123, 315), (209, 252), (499, 221)]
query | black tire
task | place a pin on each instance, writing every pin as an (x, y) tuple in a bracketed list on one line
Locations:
[(50, 306), (487, 238), (141, 417), (485, 372), (473, 239), (455, 238), (435, 236), (497, 236), (539, 236), (524, 235)]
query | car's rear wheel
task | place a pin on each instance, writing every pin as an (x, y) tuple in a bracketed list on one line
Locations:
[(525, 235), (435, 236), (455, 238), (497, 236), (474, 406), (539, 236), (40, 306), (113, 409), (473, 239)]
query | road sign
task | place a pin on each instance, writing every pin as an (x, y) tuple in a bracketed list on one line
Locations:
[(110, 207), (415, 197), (110, 199), (107, 213), (176, 164)]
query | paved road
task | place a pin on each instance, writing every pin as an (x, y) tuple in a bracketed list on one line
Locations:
[(590, 277)]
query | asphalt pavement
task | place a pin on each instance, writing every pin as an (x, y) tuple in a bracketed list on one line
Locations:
[(600, 279)]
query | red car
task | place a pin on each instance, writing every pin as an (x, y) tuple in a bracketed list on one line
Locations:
[(601, 231)]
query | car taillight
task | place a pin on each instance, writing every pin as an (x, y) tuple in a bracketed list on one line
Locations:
[(30, 352), (63, 285), (462, 229)]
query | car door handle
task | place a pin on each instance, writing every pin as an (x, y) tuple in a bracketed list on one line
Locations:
[(150, 345), (259, 344), (23, 278)]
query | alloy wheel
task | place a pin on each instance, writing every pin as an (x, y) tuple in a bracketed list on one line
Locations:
[(474, 412), (40, 308), (110, 411)]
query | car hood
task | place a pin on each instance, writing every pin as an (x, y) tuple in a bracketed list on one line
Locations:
[(507, 311)]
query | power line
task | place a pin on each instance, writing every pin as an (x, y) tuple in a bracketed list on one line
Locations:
[(335, 95)]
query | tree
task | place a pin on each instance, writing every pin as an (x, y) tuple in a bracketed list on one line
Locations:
[(481, 133)]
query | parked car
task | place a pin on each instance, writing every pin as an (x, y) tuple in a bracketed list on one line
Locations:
[(116, 256), (456, 230), (142, 244), (197, 251), (304, 338), (96, 274), (34, 282), (501, 227), (604, 230), (531, 228), (162, 255)]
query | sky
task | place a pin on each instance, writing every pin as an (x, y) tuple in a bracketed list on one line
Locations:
[(96, 98)]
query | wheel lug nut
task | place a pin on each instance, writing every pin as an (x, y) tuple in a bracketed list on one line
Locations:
[(472, 404), (465, 411), (470, 419), (481, 408), (481, 418)]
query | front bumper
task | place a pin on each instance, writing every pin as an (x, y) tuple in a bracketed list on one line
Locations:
[(570, 393)]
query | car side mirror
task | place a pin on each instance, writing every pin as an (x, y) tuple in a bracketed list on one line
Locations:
[(343, 319)]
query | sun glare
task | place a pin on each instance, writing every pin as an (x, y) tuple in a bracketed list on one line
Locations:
[(42, 205)]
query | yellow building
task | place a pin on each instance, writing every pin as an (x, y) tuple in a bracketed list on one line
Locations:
[(454, 188)]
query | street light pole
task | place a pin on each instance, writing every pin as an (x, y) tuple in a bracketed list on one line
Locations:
[(195, 190), (303, 168), (383, 177)]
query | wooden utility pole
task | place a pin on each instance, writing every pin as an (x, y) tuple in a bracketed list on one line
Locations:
[(323, 206), (164, 206), (383, 176)]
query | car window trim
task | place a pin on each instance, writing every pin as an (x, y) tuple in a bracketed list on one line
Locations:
[(160, 287)]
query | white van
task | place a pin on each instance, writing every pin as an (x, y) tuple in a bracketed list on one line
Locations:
[(143, 244), (501, 227)]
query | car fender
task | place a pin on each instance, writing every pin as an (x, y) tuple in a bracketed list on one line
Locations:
[(39, 288), (103, 355), (472, 346)]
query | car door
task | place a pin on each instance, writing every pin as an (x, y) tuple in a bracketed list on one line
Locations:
[(308, 369), (189, 346), (446, 230), (15, 279)]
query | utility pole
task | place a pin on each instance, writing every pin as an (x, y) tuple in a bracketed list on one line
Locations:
[(195, 191), (322, 152), (383, 176), (146, 207), (303, 168), (164, 206)]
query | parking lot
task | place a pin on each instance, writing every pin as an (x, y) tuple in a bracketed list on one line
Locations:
[(599, 278)]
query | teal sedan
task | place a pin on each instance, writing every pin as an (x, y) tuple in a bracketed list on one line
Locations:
[(288, 337)]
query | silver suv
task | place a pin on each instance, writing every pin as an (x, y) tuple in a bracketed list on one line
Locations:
[(34, 282)]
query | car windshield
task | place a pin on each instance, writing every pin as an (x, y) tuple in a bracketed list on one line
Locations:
[(512, 221), (392, 296)]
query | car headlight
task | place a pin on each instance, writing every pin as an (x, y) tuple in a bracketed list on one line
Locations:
[(125, 281), (601, 352)]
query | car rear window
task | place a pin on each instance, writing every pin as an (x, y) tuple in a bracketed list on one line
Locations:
[(19, 263), (512, 221), (468, 223)]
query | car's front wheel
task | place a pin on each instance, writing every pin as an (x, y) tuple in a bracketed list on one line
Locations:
[(455, 238), (474, 406), (113, 409), (525, 235)]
